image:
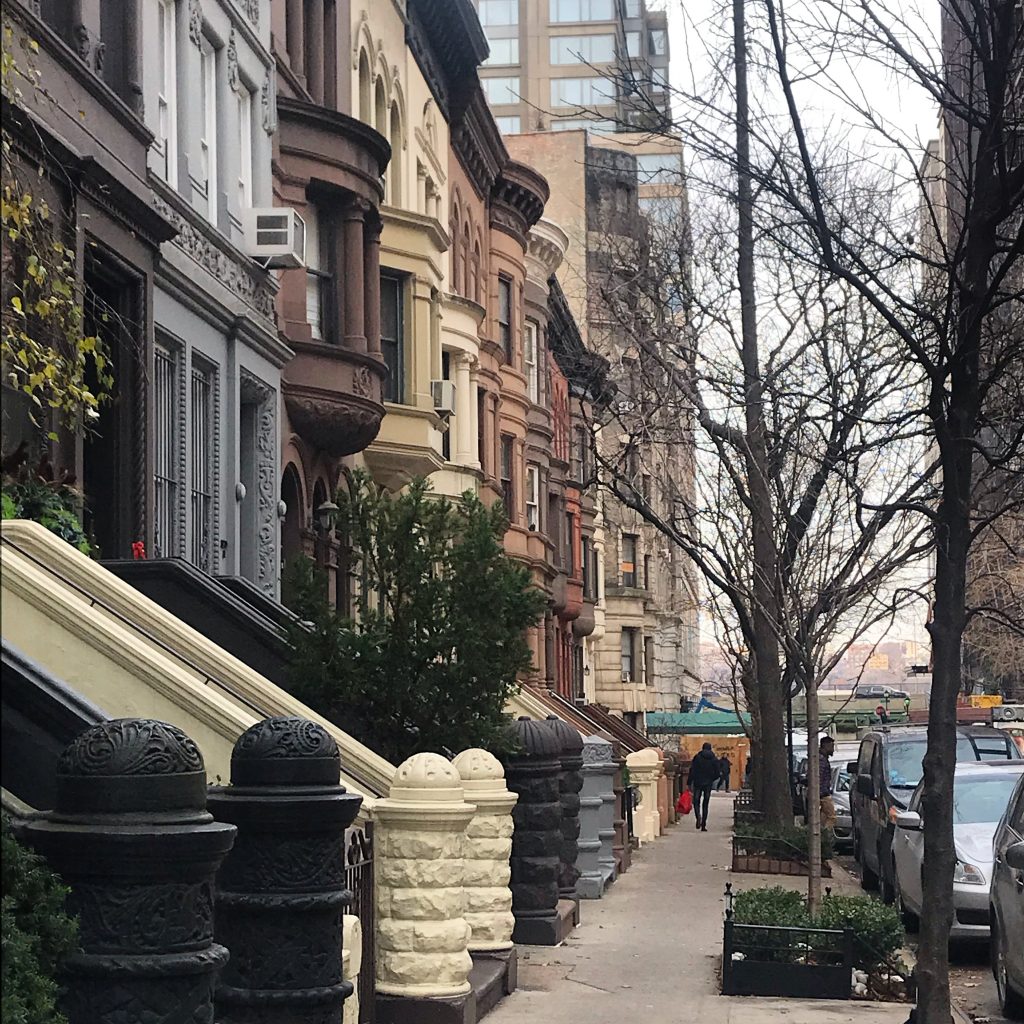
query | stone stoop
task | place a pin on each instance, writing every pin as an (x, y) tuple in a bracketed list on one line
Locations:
[(547, 931)]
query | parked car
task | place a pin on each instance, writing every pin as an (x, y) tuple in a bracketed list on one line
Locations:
[(981, 794), (1007, 906), (844, 752), (887, 772), (875, 692)]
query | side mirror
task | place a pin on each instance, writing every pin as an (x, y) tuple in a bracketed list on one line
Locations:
[(1015, 856), (910, 820), (852, 767), (866, 786)]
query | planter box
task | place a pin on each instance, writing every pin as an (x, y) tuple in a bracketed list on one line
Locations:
[(766, 966), (762, 864)]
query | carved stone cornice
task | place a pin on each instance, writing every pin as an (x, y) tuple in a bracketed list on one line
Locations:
[(477, 143), (517, 200), (204, 244), (448, 44), (547, 245)]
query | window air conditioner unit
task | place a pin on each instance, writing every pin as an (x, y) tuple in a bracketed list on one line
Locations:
[(275, 236), (443, 394)]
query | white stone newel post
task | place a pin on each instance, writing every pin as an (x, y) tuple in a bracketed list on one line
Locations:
[(644, 768), (422, 933), (352, 962), (487, 848)]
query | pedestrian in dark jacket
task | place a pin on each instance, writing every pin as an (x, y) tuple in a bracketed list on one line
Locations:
[(703, 775), (724, 771)]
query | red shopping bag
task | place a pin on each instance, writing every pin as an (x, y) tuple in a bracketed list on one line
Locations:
[(685, 802)]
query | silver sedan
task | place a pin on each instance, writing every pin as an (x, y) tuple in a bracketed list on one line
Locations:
[(981, 793)]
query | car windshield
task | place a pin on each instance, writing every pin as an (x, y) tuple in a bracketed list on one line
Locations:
[(981, 800), (903, 768)]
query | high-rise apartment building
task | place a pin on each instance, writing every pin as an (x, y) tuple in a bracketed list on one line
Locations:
[(557, 65)]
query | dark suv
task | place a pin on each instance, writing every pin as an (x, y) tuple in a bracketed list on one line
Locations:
[(886, 773)]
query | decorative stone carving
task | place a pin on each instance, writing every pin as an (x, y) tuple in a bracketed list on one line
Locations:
[(83, 44), (487, 850), (362, 382), (131, 837), (261, 394), (597, 819), (422, 933), (238, 275), (570, 782), (268, 100), (99, 54), (195, 21), (644, 772), (281, 893), (252, 12), (339, 424), (533, 773), (232, 55)]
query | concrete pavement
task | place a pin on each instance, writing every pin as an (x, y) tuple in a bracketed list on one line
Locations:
[(649, 951)]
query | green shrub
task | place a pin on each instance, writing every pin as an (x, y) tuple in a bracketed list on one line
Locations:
[(876, 927), (796, 836), (36, 934)]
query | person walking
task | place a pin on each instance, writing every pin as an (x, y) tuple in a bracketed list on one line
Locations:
[(724, 771), (703, 776), (826, 748)]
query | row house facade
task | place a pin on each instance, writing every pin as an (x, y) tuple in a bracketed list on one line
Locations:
[(414, 328)]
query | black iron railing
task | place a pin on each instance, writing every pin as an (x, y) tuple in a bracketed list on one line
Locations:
[(359, 881)]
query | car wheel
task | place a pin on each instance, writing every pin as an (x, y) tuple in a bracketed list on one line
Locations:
[(911, 922), (1010, 1000)]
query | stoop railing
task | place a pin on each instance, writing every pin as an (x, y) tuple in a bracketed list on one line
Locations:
[(359, 881)]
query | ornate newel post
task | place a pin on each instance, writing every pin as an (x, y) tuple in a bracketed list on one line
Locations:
[(644, 770), (131, 836), (623, 847), (597, 819), (487, 849), (533, 772), (570, 782), (281, 893), (423, 960)]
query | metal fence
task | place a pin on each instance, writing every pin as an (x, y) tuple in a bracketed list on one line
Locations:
[(359, 881)]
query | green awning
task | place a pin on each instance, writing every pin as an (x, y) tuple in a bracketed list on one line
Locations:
[(695, 723)]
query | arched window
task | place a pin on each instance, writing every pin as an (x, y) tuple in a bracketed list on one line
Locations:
[(477, 294), (364, 87), (468, 271), (395, 170), (294, 517), (380, 108), (454, 231)]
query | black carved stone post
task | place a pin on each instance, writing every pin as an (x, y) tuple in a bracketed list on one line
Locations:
[(533, 772), (570, 782), (131, 836), (281, 894)]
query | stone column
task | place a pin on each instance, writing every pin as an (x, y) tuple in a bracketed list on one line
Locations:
[(423, 959), (315, 51), (533, 772), (463, 404), (487, 849), (371, 281), (570, 782), (283, 886), (296, 37), (597, 819), (644, 769), (131, 836), (474, 419), (351, 268)]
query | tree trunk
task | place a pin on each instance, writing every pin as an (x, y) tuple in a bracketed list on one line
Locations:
[(813, 801), (775, 802)]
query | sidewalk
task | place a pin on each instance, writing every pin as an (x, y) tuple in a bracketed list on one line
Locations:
[(648, 952)]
